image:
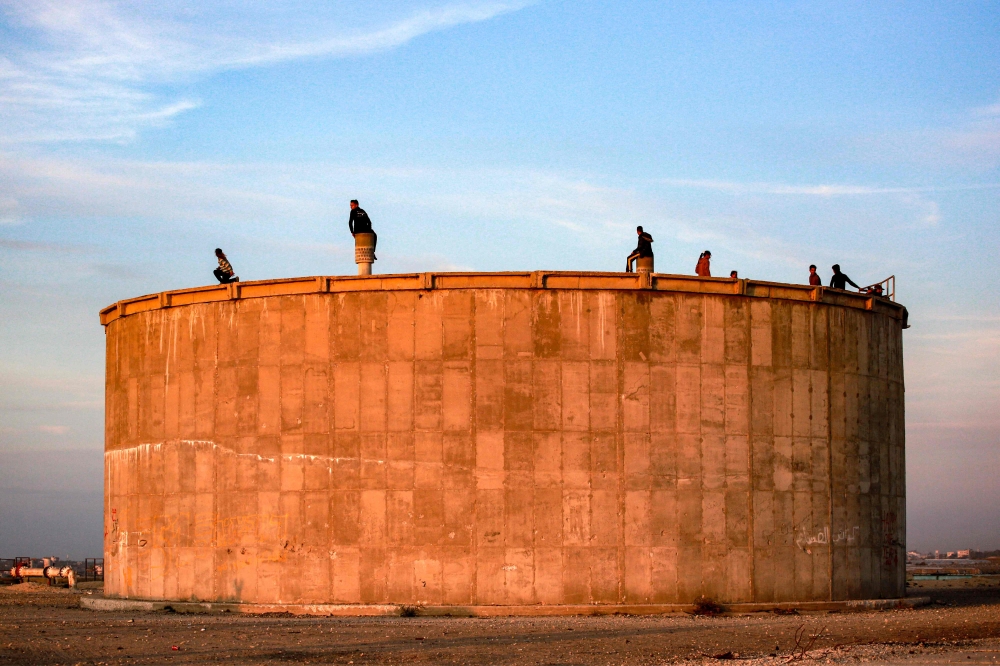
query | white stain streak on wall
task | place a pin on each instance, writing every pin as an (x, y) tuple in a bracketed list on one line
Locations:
[(129, 454)]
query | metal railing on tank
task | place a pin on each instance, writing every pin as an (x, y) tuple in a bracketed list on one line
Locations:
[(93, 569), (6, 564), (886, 288)]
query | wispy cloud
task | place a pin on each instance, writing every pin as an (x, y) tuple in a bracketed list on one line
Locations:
[(8, 211), (970, 140), (75, 384), (954, 425), (979, 337), (593, 209), (95, 69), (41, 406), (830, 190), (953, 373), (30, 246), (990, 111), (962, 317)]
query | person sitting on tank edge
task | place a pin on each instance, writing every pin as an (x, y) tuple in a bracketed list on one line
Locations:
[(643, 249), (360, 223), (840, 280), (874, 290), (224, 273)]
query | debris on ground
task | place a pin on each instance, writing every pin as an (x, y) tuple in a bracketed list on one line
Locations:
[(46, 625)]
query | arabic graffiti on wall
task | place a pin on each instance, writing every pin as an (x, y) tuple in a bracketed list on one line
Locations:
[(805, 538)]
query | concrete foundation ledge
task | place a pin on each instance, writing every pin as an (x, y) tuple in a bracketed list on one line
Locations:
[(395, 610), (102, 604)]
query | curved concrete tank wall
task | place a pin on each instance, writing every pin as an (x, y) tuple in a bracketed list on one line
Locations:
[(504, 439)]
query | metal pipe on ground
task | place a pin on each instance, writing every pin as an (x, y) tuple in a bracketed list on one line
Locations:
[(51, 572)]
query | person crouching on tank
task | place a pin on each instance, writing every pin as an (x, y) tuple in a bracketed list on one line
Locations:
[(224, 273), (643, 249), (360, 223)]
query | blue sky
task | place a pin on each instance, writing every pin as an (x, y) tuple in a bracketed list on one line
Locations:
[(494, 136)]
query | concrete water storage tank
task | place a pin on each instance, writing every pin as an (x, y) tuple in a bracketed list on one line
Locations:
[(530, 442)]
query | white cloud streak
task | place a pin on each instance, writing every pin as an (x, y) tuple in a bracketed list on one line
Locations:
[(830, 190), (30, 246), (592, 209), (970, 141), (991, 111), (94, 69)]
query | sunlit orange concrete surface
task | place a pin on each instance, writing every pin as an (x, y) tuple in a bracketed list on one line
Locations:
[(539, 439)]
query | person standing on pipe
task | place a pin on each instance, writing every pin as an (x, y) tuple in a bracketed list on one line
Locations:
[(360, 223)]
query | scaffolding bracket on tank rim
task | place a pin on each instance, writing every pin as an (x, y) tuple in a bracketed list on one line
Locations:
[(597, 281), (888, 286)]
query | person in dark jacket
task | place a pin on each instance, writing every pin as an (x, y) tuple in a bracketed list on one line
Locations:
[(360, 223), (642, 250), (840, 280)]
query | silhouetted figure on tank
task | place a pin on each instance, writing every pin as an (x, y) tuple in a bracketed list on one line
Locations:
[(704, 266), (814, 278), (840, 280), (642, 251), (875, 290), (360, 223), (224, 273)]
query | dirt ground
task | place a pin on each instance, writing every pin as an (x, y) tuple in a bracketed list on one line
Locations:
[(40, 625)]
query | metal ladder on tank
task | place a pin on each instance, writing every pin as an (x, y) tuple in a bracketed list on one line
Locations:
[(888, 288)]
